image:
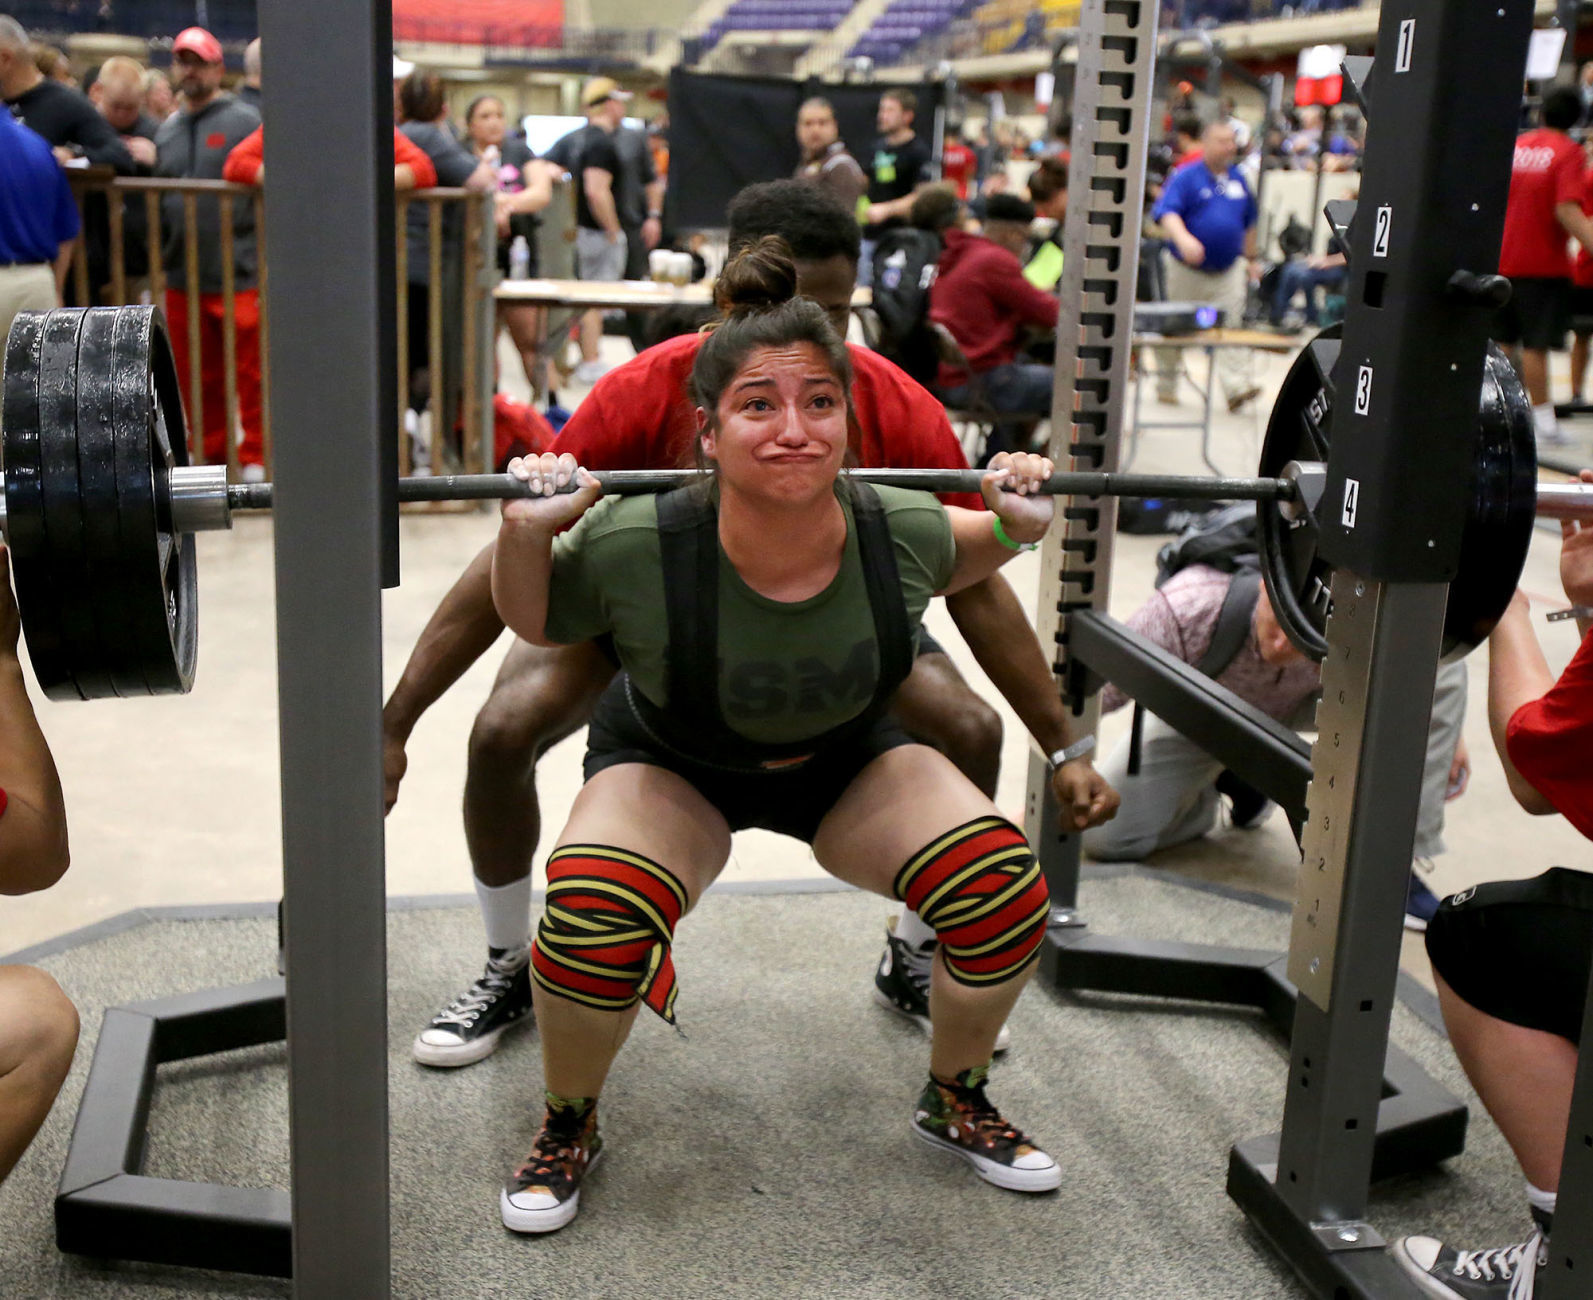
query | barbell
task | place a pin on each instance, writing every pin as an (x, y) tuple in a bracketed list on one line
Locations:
[(100, 505)]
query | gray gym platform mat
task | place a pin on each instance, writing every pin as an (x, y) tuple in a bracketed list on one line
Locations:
[(764, 1152)]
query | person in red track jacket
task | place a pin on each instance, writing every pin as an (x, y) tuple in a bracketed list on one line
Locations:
[(412, 169), (1512, 958)]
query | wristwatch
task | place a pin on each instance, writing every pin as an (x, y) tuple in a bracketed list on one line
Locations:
[(1078, 749)]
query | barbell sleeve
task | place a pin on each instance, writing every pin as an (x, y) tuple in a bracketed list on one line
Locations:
[(1565, 501)]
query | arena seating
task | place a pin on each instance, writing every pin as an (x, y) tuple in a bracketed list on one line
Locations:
[(903, 25), (501, 23), (777, 15), (231, 21), (1011, 25)]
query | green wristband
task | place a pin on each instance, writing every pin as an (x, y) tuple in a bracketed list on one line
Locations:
[(1001, 536)]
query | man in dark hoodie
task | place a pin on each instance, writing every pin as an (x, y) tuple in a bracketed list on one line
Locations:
[(194, 142), (63, 116), (980, 295)]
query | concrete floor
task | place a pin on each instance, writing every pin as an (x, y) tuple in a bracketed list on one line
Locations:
[(176, 800)]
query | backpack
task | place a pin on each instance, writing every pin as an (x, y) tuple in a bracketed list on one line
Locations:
[(1294, 240), (904, 269), (1223, 539)]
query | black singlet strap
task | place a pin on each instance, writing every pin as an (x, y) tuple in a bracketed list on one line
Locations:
[(688, 535), (893, 637)]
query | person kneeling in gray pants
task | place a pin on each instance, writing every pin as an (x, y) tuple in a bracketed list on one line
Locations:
[(1177, 794)]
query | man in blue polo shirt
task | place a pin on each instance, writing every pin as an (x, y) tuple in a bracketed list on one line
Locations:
[(1209, 216), (38, 223)]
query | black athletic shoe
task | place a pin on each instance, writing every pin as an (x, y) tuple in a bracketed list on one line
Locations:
[(1250, 806), (901, 983), (544, 1193), (1503, 1273), (958, 1117), (469, 1027)]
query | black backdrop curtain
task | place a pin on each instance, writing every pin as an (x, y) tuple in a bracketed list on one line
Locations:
[(728, 132)]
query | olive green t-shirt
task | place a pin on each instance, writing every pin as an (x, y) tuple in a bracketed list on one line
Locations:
[(787, 670)]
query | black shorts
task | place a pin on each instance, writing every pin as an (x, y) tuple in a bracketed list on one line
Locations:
[(1520, 950), (791, 800), (927, 645), (1582, 309), (1537, 315)]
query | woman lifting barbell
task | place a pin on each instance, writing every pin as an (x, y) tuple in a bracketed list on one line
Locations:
[(807, 595)]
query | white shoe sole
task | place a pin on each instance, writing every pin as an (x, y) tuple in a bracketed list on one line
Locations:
[(1003, 1039), (999, 1175), (435, 1054), (1428, 1284), (549, 1220)]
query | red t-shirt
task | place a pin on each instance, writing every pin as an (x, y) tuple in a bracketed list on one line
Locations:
[(1549, 169), (1550, 741), (639, 417), (957, 166), (1582, 263), (517, 430)]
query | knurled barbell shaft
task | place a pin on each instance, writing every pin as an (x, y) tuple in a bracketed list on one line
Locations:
[(488, 487), (1555, 500)]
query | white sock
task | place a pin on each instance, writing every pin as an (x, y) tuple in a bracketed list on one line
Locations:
[(1541, 1200), (1547, 423), (912, 931), (506, 913)]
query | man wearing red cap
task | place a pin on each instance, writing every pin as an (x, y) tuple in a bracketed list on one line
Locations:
[(194, 142)]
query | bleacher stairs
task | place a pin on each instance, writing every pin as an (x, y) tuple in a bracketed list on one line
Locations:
[(826, 55), (668, 53)]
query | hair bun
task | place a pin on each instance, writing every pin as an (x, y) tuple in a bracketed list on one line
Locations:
[(760, 276)]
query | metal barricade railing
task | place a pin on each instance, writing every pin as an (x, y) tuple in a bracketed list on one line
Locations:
[(459, 279)]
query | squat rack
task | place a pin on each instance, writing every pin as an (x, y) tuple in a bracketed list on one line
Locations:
[(1417, 341), (1418, 1122)]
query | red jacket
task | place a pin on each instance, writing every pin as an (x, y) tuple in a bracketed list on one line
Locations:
[(248, 156), (980, 295)]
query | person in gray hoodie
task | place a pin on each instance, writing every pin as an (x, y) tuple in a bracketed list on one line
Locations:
[(194, 143)]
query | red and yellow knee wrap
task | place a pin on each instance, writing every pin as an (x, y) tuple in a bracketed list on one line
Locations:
[(982, 891), (606, 928)]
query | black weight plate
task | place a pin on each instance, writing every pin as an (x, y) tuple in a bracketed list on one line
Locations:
[(76, 587), (97, 397), (171, 441), (1498, 523), (1297, 578), (160, 574), (25, 531), (144, 558)]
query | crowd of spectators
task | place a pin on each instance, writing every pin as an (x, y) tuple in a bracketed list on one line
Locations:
[(182, 123), (142, 122), (1310, 138)]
